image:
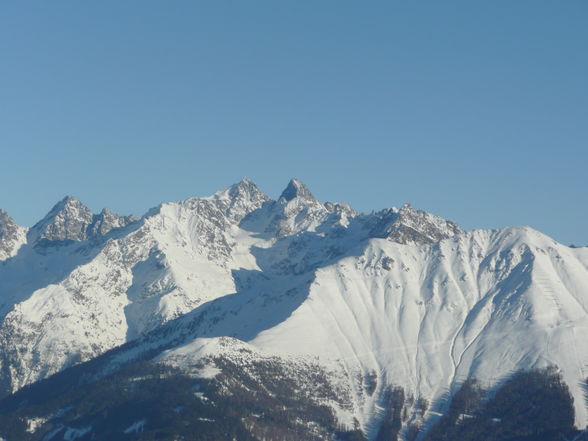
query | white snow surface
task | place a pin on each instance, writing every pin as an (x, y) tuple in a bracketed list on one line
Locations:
[(483, 304), (34, 423), (400, 293)]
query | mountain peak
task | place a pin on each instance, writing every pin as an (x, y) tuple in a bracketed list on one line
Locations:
[(245, 187), (67, 220), (6, 222), (105, 221), (4, 216), (12, 235), (69, 204), (245, 181), (69, 207), (409, 225), (241, 198), (296, 189)]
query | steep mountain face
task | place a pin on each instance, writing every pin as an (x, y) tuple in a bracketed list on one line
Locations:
[(67, 220), (107, 221), (394, 308), (66, 299), (70, 220), (12, 236)]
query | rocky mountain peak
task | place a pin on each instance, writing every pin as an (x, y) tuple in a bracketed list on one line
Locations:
[(12, 235), (241, 199), (71, 220), (7, 224), (409, 225), (5, 219), (296, 189), (67, 220), (106, 221), (69, 207), (246, 189)]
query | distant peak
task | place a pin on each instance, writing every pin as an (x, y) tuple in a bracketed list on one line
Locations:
[(106, 221), (67, 201), (12, 235), (240, 199), (246, 181), (5, 219), (244, 184), (409, 225), (296, 189), (68, 207), (105, 213), (67, 220), (245, 188)]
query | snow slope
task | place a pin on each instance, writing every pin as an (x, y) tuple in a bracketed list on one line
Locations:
[(400, 296), (483, 304), (68, 296)]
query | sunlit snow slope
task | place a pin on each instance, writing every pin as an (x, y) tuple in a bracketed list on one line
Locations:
[(482, 304), (399, 295)]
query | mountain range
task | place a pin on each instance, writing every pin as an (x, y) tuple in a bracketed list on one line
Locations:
[(375, 321)]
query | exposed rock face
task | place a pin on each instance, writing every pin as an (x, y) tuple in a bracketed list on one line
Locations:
[(12, 236), (241, 199), (296, 211), (296, 189), (106, 221), (408, 225), (67, 220), (71, 220)]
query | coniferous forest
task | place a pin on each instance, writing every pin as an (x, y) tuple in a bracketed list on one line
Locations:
[(266, 401)]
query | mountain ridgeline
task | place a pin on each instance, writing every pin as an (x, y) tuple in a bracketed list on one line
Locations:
[(236, 316)]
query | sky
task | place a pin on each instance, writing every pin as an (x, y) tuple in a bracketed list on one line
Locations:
[(475, 111)]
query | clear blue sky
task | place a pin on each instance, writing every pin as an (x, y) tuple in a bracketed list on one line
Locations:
[(474, 110)]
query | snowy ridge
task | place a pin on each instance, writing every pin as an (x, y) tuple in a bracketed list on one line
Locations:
[(483, 304), (408, 225), (402, 297), (84, 297)]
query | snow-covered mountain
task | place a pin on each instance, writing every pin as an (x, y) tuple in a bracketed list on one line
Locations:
[(398, 297), (12, 236)]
